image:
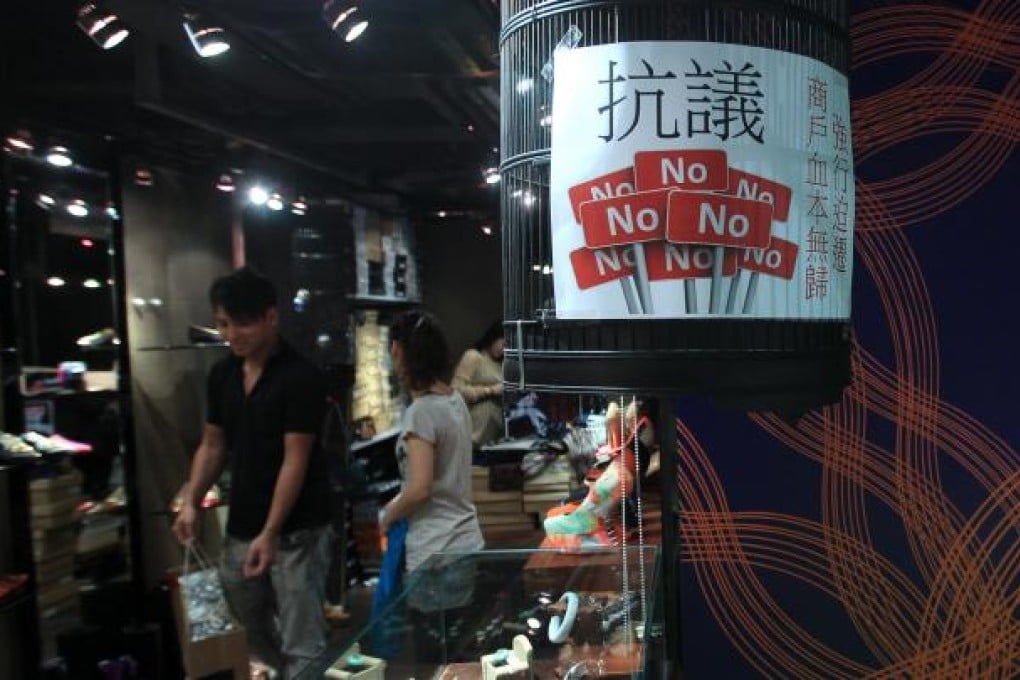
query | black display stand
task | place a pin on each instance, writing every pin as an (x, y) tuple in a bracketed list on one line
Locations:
[(19, 616)]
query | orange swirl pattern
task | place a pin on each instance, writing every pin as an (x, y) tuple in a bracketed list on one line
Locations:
[(957, 613)]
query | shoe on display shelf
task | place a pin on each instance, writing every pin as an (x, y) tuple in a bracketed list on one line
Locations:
[(105, 337), (69, 444), (14, 450), (46, 446)]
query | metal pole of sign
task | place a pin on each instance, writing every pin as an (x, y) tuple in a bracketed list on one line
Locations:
[(669, 482)]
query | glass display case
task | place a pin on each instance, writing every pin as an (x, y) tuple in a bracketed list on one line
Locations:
[(513, 614)]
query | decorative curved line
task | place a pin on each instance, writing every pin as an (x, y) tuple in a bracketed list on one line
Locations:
[(559, 629)]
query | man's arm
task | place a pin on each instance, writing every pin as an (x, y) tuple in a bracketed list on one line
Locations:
[(418, 489), (206, 466), (262, 551)]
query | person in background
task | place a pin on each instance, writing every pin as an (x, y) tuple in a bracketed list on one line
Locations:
[(479, 379), (434, 447), (265, 409)]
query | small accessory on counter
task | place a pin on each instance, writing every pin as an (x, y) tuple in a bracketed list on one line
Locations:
[(559, 629)]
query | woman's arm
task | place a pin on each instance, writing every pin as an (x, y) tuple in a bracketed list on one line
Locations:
[(417, 490), (463, 379)]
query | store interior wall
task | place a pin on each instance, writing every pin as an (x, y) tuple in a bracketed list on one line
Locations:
[(462, 279), (177, 239)]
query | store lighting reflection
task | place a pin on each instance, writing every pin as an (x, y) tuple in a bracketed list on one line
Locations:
[(55, 281), (491, 176)]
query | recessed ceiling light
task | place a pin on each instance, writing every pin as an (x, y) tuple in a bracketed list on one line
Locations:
[(356, 31), (487, 230), (143, 177), (59, 156), (87, 243), (91, 283), (46, 200), (209, 40), (225, 183), (103, 26), (55, 281), (258, 195), (441, 213), (78, 208), (21, 141), (300, 206), (491, 176), (275, 202)]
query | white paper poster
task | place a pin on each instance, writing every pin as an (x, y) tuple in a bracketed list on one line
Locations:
[(695, 179)]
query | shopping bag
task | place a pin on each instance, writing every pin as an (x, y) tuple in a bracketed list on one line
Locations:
[(211, 639), (386, 633)]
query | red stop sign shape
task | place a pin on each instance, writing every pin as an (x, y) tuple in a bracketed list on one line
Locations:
[(745, 185), (714, 219), (689, 169), (618, 183), (779, 258), (666, 261), (593, 267), (625, 219)]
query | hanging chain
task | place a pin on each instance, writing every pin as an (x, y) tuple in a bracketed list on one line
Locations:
[(640, 523), (622, 468)]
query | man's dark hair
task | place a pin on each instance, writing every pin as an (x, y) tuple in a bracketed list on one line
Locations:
[(426, 353), (491, 335), (244, 294)]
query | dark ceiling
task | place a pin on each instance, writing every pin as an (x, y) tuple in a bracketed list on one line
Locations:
[(411, 108)]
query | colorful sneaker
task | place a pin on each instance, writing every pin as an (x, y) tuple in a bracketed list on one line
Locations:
[(14, 450)]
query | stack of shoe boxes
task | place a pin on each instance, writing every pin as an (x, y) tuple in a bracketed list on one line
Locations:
[(499, 512), (54, 498), (373, 396)]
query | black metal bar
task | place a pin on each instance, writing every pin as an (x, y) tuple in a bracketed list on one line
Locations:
[(129, 448), (668, 480)]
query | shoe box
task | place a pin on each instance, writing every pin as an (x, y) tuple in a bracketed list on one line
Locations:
[(54, 522)]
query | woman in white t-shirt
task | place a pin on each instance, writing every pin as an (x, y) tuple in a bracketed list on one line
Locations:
[(434, 449)]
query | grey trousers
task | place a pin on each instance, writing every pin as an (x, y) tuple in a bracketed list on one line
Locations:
[(281, 610)]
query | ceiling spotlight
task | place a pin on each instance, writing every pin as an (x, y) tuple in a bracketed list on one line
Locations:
[(209, 40), (20, 141), (45, 200), (91, 283), (111, 211), (441, 213), (59, 156), (300, 206), (78, 208), (87, 243), (275, 202), (103, 26), (143, 177), (55, 281), (343, 17), (491, 175), (225, 183), (487, 230), (257, 195)]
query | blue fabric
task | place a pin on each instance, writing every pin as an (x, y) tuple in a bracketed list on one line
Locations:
[(385, 635)]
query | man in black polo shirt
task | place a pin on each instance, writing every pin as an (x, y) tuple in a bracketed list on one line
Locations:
[(265, 408)]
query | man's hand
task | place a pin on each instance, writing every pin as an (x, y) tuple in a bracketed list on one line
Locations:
[(184, 525), (261, 554)]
